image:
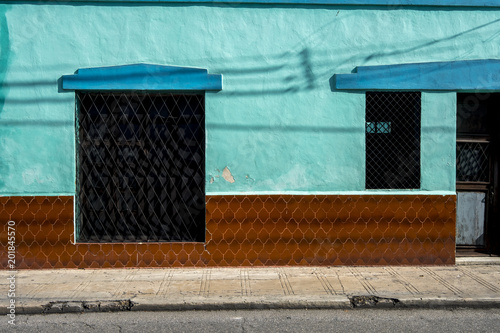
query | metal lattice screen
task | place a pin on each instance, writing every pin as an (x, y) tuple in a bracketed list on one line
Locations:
[(141, 167), (473, 161), (393, 140)]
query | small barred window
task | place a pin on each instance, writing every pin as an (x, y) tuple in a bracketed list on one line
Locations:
[(393, 140)]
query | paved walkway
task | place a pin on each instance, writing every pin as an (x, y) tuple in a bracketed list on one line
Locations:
[(74, 290)]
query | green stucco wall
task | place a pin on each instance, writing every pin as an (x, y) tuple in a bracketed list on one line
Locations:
[(277, 126)]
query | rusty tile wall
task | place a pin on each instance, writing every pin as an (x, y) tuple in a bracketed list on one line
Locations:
[(331, 230), (255, 230)]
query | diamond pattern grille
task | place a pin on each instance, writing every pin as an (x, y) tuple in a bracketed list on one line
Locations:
[(473, 162), (393, 140), (141, 167)]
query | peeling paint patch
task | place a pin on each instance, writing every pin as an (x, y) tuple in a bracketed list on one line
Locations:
[(226, 174), (211, 180)]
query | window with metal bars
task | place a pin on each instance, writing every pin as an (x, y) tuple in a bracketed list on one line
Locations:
[(141, 167), (392, 132)]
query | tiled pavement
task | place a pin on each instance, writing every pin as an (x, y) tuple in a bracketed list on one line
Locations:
[(81, 290)]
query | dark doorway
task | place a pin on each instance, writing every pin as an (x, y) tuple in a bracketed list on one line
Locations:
[(477, 171)]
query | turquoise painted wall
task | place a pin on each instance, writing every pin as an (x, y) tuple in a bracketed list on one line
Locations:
[(4, 64), (438, 135), (276, 125)]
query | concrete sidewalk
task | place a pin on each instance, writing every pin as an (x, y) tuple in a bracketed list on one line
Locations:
[(473, 284)]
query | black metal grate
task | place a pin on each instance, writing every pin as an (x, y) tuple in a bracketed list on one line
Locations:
[(141, 167), (473, 162), (393, 140)]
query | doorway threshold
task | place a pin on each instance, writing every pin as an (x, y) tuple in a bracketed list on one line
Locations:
[(472, 251), (489, 260), (475, 256)]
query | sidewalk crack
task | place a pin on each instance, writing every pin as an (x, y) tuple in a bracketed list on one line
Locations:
[(480, 280), (327, 286), (165, 284), (367, 285), (443, 281), (340, 282), (122, 285), (245, 283), (285, 282), (205, 283), (408, 286)]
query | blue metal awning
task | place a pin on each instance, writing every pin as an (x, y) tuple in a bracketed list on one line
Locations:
[(466, 75), (142, 77)]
